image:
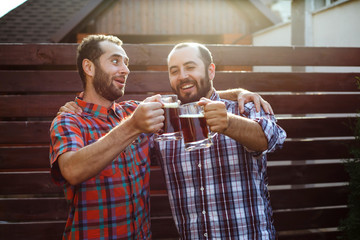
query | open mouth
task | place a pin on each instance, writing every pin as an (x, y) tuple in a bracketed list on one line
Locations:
[(187, 86), (120, 81)]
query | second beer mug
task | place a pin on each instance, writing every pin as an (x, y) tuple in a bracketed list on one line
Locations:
[(171, 128), (195, 130)]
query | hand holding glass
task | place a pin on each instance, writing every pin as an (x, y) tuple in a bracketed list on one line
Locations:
[(171, 129)]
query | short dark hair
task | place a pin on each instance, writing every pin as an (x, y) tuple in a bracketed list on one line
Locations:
[(205, 53), (90, 49)]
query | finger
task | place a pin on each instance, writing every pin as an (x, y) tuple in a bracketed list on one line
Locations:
[(267, 107), (204, 101), (81, 95), (241, 105), (257, 104), (148, 106), (75, 108), (271, 110), (155, 98)]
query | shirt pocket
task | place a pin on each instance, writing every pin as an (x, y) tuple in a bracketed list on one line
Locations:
[(141, 150)]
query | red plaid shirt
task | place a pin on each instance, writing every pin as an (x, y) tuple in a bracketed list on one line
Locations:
[(115, 203)]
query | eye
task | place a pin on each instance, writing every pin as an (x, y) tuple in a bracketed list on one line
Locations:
[(173, 72), (115, 61)]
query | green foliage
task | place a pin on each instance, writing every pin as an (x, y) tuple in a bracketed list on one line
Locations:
[(350, 227)]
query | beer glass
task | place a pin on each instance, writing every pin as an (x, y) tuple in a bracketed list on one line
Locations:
[(196, 133), (171, 129)]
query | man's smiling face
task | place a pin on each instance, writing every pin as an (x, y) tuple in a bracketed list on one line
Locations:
[(189, 78)]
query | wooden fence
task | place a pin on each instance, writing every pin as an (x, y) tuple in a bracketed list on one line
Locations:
[(307, 180)]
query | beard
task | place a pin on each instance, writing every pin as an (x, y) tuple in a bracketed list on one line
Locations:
[(203, 87), (103, 85)]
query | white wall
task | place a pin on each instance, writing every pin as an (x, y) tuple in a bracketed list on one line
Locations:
[(336, 26), (278, 35)]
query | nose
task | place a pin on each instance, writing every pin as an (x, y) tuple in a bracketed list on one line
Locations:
[(183, 74), (124, 69)]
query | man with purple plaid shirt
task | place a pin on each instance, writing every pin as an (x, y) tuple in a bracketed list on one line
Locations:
[(218, 192)]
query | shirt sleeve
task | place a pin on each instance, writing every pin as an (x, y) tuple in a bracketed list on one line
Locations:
[(65, 136), (274, 133)]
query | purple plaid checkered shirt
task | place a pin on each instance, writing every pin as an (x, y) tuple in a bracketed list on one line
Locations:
[(221, 192)]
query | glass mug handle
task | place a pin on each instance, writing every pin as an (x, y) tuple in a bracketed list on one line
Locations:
[(212, 134)]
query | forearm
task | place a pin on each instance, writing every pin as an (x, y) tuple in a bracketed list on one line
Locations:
[(87, 162), (247, 132), (231, 94)]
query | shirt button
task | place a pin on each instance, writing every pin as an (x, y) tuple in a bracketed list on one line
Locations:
[(203, 212), (129, 172), (205, 235), (202, 189), (199, 165)]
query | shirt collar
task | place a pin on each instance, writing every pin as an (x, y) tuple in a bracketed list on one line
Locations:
[(94, 109), (214, 96)]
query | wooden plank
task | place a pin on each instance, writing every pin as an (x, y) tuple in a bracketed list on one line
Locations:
[(32, 230), (24, 157), (56, 208), (284, 56), (158, 81), (33, 209), (57, 81), (313, 103), (53, 230), (307, 173), (156, 54), (40, 81), (37, 157), (308, 149), (286, 82), (317, 127), (39, 182), (40, 106), (24, 132), (311, 234), (284, 221), (38, 54), (308, 197), (28, 183), (164, 228), (309, 218)]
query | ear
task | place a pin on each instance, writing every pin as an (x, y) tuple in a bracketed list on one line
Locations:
[(89, 67), (211, 71)]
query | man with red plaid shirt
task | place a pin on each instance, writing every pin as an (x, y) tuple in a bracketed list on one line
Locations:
[(100, 156)]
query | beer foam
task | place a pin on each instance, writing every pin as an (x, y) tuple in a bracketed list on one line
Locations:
[(171, 105), (195, 115)]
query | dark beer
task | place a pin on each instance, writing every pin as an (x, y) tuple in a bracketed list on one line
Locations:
[(171, 114), (194, 127)]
